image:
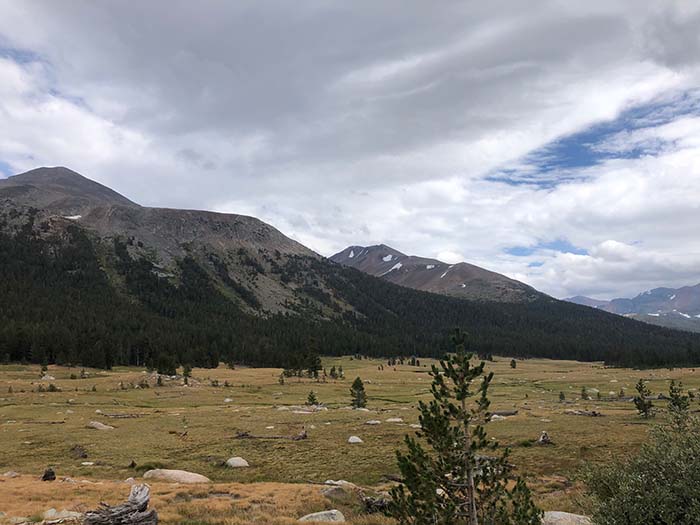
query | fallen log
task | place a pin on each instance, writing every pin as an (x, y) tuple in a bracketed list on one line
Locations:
[(122, 416), (247, 435), (133, 512)]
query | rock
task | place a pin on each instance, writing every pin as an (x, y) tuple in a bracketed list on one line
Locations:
[(327, 516), (99, 426), (130, 481), (333, 492), (237, 462), (228, 400), (16, 520), (354, 439), (10, 474), (496, 417), (87, 463), (341, 483), (175, 476), (52, 514), (78, 452), (394, 420), (415, 425), (564, 518), (544, 439), (362, 409), (48, 475), (373, 422), (98, 411)]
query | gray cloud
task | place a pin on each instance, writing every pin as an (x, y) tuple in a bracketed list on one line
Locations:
[(367, 122)]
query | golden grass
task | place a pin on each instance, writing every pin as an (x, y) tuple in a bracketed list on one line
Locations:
[(29, 442)]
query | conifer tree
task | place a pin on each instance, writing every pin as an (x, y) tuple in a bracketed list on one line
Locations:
[(513, 364), (562, 397), (678, 403), (357, 393), (455, 484), (311, 399), (642, 401)]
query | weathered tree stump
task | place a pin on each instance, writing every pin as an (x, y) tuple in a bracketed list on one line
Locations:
[(133, 512)]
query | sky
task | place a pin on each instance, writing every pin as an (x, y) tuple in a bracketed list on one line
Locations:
[(557, 142)]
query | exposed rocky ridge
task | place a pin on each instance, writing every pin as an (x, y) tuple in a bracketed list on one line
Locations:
[(672, 307), (430, 275)]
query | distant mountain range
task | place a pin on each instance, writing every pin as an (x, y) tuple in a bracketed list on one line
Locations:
[(430, 275), (672, 307), (89, 277)]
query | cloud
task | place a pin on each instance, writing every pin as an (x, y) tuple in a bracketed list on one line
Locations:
[(461, 132)]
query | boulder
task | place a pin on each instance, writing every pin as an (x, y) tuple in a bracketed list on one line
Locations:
[(496, 417), (99, 426), (394, 420), (10, 474), (236, 462), (333, 492), (327, 516), (373, 422), (565, 518), (354, 439), (47, 377), (341, 483), (175, 476)]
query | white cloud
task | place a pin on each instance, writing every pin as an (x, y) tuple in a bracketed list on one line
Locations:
[(354, 124)]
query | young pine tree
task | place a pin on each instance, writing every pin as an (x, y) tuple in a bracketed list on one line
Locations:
[(678, 403), (455, 483), (642, 400), (311, 399), (357, 393), (513, 363)]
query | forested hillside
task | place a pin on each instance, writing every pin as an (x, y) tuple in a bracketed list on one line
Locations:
[(71, 296)]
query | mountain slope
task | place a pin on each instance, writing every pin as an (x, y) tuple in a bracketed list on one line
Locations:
[(126, 284), (672, 307), (430, 275)]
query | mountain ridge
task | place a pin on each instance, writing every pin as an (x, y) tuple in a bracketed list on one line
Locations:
[(431, 275), (671, 307), (93, 280)]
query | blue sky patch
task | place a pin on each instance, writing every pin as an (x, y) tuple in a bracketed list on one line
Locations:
[(559, 245), (558, 161), (5, 170)]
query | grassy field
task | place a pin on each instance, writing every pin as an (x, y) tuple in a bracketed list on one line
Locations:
[(194, 428)]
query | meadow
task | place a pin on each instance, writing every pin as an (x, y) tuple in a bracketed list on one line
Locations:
[(195, 428)]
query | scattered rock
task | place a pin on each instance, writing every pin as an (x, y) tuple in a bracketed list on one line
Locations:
[(362, 409), (98, 411), (87, 463), (505, 413), (78, 452), (53, 514), (354, 439), (237, 462), (341, 483), (10, 474), (496, 417), (47, 377), (544, 439), (333, 492), (328, 516), (48, 475), (373, 422), (99, 426), (576, 412), (394, 420), (130, 481), (415, 425), (228, 400), (176, 476), (564, 518)]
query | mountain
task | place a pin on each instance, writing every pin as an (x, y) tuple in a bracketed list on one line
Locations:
[(672, 307), (430, 275), (89, 277)]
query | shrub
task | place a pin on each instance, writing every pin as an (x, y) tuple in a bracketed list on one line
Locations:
[(661, 484)]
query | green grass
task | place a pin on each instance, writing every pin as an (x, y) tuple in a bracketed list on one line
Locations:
[(30, 443)]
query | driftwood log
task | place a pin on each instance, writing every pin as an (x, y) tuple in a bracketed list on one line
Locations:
[(133, 512)]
